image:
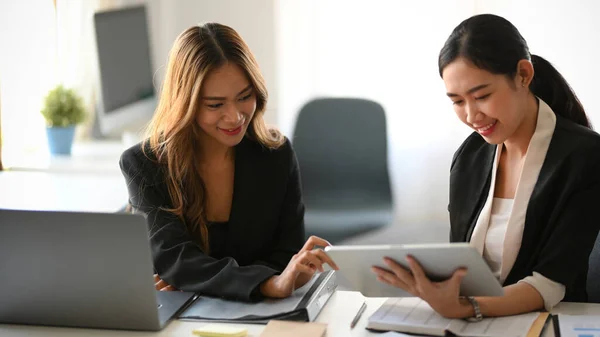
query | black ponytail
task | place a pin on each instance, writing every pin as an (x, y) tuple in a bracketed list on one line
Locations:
[(549, 85), (494, 44)]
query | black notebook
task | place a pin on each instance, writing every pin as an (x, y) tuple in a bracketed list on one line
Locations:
[(304, 305)]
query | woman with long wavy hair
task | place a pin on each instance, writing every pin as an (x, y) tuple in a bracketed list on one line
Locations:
[(220, 190)]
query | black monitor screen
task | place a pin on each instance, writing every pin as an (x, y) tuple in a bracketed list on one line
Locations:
[(124, 57)]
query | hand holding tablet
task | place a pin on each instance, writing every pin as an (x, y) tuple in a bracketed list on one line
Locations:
[(439, 262)]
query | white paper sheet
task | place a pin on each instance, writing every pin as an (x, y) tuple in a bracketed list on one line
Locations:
[(579, 326)]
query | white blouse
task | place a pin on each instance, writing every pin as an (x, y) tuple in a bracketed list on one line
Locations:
[(494, 240), (499, 229)]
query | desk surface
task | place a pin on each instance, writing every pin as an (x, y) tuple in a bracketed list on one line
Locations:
[(98, 157), (338, 313), (62, 191)]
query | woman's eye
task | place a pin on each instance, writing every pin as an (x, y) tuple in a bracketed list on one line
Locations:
[(245, 97)]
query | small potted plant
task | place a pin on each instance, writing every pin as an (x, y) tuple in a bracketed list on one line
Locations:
[(63, 110)]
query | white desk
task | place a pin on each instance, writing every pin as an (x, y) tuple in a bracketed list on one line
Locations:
[(89, 180), (338, 313), (100, 157), (62, 191)]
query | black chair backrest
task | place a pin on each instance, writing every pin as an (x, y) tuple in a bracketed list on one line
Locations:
[(341, 144)]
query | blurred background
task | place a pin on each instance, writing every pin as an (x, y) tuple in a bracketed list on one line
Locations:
[(380, 51)]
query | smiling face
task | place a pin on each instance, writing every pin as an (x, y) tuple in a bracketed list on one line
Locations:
[(491, 104), (228, 103)]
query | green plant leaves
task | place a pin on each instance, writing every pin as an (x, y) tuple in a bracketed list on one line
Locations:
[(63, 107)]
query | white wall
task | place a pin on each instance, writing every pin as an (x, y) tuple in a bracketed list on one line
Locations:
[(566, 33), (387, 51), (383, 50), (27, 70)]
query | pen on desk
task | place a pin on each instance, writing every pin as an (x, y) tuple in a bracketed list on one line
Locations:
[(358, 314)]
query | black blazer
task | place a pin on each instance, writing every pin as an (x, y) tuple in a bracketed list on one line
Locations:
[(265, 228), (562, 219)]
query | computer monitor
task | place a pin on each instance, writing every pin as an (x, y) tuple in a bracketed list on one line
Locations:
[(126, 95)]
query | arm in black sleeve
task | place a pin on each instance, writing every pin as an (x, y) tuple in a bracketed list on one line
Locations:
[(572, 240), (290, 234), (178, 260), (457, 153)]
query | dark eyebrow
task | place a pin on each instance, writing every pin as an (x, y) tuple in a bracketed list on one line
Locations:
[(470, 91), (245, 89), (215, 98)]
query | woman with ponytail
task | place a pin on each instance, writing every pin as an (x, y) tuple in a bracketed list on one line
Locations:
[(219, 189), (524, 187)]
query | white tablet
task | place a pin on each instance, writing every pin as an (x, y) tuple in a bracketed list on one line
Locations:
[(438, 260)]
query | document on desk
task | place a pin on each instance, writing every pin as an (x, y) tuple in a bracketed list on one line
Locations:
[(217, 309), (579, 326), (413, 315)]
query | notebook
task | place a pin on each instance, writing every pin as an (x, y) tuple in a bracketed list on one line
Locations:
[(304, 305), (413, 315), (293, 329)]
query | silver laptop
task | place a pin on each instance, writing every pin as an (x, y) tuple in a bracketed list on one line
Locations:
[(91, 270)]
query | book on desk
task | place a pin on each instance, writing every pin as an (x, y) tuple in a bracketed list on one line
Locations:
[(304, 305), (413, 315)]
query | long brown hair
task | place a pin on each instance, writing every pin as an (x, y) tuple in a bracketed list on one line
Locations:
[(173, 134)]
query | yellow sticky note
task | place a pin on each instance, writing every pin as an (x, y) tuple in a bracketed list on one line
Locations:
[(219, 330)]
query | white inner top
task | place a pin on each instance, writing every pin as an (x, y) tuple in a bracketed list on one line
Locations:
[(494, 240)]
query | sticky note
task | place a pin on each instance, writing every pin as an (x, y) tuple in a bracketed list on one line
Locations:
[(219, 330)]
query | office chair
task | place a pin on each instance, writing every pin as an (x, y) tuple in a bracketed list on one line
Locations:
[(341, 145), (593, 278)]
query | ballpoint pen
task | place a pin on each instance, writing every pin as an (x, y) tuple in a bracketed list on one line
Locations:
[(358, 314)]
